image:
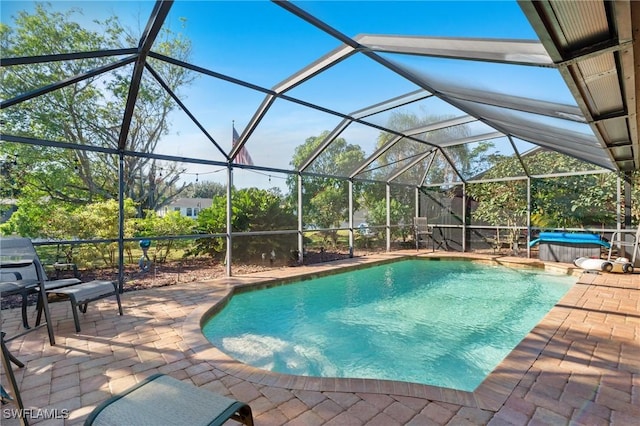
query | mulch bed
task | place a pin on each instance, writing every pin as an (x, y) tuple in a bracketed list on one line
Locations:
[(171, 273)]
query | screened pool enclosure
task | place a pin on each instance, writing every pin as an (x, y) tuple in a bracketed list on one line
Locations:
[(265, 131)]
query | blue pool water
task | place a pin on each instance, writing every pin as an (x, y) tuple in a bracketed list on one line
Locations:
[(442, 323)]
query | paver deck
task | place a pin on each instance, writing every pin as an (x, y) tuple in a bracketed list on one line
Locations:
[(580, 365)]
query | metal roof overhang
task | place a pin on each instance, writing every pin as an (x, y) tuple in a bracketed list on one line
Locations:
[(592, 44)]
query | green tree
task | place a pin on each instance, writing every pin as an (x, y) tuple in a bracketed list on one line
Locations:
[(101, 221), (569, 201), (634, 179), (325, 199), (206, 189), (500, 204), (253, 210), (399, 212), (172, 223), (37, 217), (94, 221), (88, 112), (404, 151)]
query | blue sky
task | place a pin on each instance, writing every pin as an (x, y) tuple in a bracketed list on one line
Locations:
[(263, 44)]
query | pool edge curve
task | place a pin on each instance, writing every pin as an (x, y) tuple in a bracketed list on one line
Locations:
[(491, 394)]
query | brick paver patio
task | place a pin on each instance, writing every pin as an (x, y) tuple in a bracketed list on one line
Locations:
[(580, 365)]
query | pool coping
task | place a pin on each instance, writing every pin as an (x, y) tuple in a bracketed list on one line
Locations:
[(491, 394)]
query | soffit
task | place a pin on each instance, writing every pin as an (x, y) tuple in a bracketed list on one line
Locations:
[(592, 44)]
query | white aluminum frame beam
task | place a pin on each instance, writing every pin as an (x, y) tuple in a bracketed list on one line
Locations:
[(315, 68), (390, 104), (518, 52)]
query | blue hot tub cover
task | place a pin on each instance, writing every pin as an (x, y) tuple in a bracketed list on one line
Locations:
[(571, 238)]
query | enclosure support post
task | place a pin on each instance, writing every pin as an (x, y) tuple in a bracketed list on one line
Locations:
[(627, 206), (627, 202), (528, 217), (229, 219), (388, 217), (619, 218), (300, 222), (351, 240), (464, 217), (121, 221)]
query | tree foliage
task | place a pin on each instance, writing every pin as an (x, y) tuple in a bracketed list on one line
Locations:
[(405, 151), (325, 199), (88, 112), (436, 166), (253, 210), (206, 189), (399, 213), (96, 221), (562, 202), (571, 201), (170, 224)]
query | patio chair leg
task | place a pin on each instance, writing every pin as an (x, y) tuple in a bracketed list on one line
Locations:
[(12, 358), (44, 306), (7, 358), (39, 312), (119, 302), (40, 306), (244, 416), (25, 320), (74, 310)]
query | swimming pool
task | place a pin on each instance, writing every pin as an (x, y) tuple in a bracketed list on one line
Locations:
[(441, 323)]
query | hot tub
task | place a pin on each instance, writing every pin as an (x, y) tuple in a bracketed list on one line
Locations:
[(567, 246)]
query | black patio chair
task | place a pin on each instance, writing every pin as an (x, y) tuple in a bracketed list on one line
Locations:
[(22, 273)]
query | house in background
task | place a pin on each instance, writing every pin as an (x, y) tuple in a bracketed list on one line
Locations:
[(189, 207)]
